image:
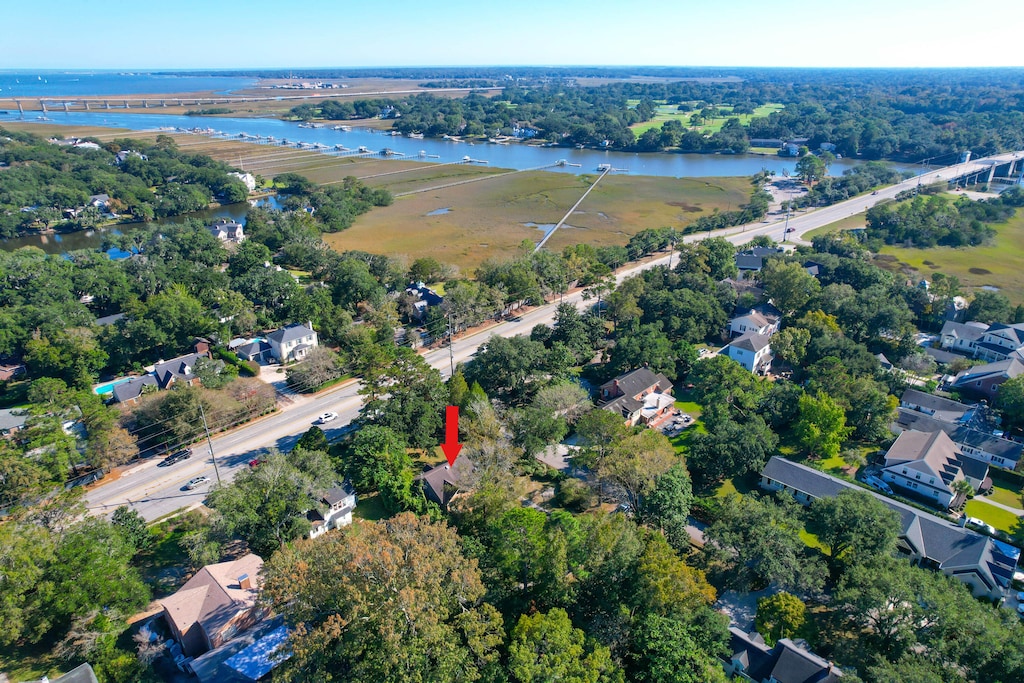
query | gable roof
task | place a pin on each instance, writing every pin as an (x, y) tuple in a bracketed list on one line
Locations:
[(176, 368), (969, 331), (213, 596), (945, 409), (952, 548), (1007, 369), (1013, 332), (784, 663), (756, 318), (440, 483), (961, 434), (338, 494), (637, 381), (751, 341), (126, 391), (289, 333), (82, 673), (931, 453)]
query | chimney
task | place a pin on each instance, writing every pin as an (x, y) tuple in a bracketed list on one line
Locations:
[(244, 582)]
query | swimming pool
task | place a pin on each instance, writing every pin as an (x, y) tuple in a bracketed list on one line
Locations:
[(108, 388)]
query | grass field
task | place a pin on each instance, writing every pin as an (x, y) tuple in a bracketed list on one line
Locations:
[(848, 223), (486, 219), (1006, 497), (669, 112), (990, 514), (998, 264)]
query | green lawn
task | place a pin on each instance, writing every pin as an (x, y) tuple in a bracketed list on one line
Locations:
[(997, 517), (1006, 497), (810, 540), (668, 112), (370, 508), (848, 223)]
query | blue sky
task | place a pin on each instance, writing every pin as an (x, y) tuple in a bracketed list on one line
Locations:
[(138, 34)]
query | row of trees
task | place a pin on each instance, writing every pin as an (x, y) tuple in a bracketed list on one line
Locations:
[(46, 185), (871, 115)]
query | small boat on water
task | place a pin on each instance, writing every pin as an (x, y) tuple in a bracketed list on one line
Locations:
[(416, 136), (344, 129), (363, 150)]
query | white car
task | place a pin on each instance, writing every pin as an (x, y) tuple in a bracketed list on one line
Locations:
[(327, 417), (196, 482)]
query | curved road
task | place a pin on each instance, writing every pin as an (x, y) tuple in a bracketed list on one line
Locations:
[(158, 491)]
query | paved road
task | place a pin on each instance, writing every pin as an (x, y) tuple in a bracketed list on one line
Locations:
[(157, 491)]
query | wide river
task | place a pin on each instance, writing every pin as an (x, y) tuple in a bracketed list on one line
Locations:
[(515, 155)]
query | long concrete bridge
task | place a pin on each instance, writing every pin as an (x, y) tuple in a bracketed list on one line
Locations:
[(104, 103)]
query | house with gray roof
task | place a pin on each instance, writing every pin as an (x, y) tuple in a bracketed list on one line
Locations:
[(1000, 342), (752, 260), (82, 673), (12, 420), (441, 483), (257, 350), (925, 466), (228, 231), (753, 351), (962, 337), (938, 407), (761, 321), (967, 425), (984, 380), (292, 342), (786, 662), (640, 396), (131, 391), (335, 511), (984, 564), (178, 369)]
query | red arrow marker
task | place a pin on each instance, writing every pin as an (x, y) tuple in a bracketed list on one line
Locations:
[(451, 445)]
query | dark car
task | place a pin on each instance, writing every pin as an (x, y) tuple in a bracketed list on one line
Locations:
[(183, 454)]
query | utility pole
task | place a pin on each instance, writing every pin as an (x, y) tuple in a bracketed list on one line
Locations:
[(785, 230), (209, 441)]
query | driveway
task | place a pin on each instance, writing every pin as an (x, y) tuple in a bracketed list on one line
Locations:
[(742, 607)]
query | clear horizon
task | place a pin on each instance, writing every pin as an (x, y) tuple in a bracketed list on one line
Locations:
[(259, 34)]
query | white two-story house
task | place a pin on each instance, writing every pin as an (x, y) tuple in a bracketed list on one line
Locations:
[(292, 342), (753, 351)]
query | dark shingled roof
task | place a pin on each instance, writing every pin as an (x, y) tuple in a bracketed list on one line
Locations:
[(338, 493), (954, 549), (442, 482), (784, 663), (635, 382), (176, 368), (126, 391)]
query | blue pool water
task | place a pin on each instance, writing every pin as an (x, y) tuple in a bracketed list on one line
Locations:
[(108, 388)]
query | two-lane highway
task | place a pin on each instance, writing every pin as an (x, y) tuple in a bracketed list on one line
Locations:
[(157, 491)]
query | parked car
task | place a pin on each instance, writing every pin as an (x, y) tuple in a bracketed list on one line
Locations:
[(196, 482), (878, 484), (255, 462), (327, 417), (176, 456)]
